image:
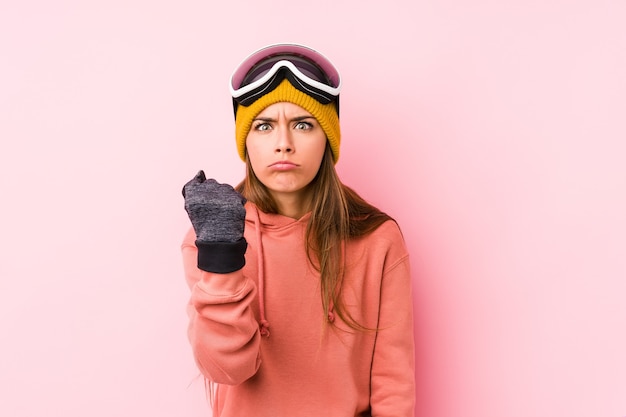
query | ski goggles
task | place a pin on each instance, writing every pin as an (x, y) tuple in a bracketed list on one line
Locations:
[(307, 70)]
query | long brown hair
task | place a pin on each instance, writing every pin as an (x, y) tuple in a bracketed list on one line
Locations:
[(338, 214)]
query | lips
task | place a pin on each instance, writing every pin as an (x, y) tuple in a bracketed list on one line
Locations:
[(283, 165)]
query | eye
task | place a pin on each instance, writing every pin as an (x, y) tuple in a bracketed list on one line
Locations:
[(262, 126), (303, 126)]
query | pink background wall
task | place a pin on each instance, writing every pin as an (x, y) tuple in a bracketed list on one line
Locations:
[(494, 131)]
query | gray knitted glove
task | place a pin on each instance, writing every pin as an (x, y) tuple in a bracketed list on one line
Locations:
[(218, 217), (216, 210)]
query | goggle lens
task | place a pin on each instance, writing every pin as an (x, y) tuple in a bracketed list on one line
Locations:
[(303, 65)]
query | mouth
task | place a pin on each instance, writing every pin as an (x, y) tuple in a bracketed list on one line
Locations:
[(283, 165)]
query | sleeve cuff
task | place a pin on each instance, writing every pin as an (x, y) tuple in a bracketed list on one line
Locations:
[(221, 257)]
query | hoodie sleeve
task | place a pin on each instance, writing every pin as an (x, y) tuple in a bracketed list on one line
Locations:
[(393, 365), (223, 331)]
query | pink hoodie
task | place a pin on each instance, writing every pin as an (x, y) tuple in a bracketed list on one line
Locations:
[(261, 334)]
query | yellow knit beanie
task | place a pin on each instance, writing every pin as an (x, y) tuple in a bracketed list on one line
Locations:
[(326, 115)]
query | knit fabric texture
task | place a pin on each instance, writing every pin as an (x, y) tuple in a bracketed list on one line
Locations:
[(326, 115), (216, 210)]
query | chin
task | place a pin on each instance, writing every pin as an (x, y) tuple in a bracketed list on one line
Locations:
[(286, 188)]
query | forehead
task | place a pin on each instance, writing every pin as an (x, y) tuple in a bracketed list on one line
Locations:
[(284, 108)]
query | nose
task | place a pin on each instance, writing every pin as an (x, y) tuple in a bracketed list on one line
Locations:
[(284, 140)]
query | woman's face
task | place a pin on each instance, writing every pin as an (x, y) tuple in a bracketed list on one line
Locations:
[(285, 147)]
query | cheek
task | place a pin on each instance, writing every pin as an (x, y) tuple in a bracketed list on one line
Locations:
[(253, 149), (319, 148)]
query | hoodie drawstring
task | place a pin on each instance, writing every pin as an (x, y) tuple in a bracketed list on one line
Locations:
[(331, 305), (331, 313), (265, 325)]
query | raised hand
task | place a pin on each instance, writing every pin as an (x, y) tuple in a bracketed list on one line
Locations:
[(216, 210)]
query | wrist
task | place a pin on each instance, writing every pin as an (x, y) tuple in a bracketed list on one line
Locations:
[(221, 257)]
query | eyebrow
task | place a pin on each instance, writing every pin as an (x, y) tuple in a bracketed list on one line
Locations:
[(295, 119)]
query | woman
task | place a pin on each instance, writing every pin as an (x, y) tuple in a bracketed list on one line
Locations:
[(300, 290)]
